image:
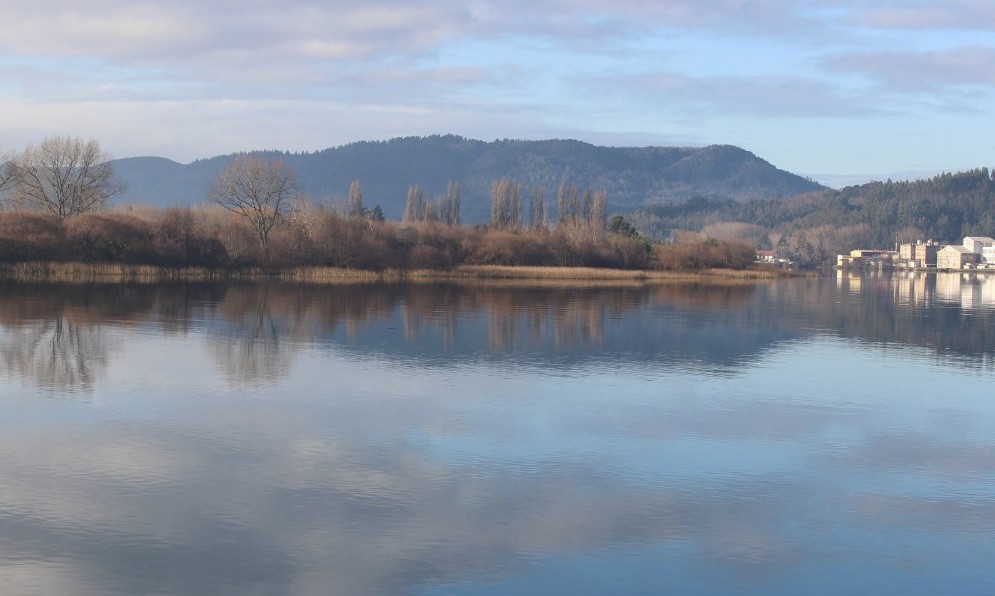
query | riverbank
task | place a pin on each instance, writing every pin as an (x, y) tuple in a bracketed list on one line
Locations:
[(104, 273)]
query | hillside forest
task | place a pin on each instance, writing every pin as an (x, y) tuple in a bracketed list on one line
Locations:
[(812, 228), (633, 177)]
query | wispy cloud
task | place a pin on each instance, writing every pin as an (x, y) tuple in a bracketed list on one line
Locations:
[(771, 97), (923, 72), (976, 15), (516, 68)]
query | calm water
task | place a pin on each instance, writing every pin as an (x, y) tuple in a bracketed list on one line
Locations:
[(819, 436)]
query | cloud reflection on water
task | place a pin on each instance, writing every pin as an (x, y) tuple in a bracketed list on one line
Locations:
[(150, 509), (380, 440)]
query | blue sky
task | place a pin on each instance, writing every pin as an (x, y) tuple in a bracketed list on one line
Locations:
[(842, 91)]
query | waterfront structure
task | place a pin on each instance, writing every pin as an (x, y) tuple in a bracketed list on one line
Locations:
[(766, 256), (867, 257), (906, 254), (977, 252), (926, 253), (772, 257), (977, 244), (956, 256), (918, 254)]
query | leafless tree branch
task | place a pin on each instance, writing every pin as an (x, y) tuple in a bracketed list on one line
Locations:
[(258, 189), (65, 176)]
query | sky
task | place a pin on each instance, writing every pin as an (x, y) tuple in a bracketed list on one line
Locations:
[(842, 91)]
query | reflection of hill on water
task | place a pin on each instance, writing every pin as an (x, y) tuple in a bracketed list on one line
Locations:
[(448, 323), (256, 328)]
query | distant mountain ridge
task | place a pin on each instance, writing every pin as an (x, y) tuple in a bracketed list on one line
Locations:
[(633, 177)]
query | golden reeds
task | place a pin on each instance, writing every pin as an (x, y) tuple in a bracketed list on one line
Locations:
[(87, 272)]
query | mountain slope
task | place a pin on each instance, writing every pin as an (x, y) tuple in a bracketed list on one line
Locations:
[(819, 225), (633, 176)]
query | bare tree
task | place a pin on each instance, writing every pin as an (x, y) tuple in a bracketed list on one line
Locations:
[(416, 207), (258, 189), (506, 205), (587, 209), (445, 208), (538, 218), (449, 207), (65, 176), (596, 210), (7, 171), (567, 204), (356, 208)]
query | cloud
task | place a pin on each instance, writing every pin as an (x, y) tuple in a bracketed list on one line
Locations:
[(200, 77), (728, 96), (565, 18), (973, 15), (109, 30), (936, 72), (197, 127), (159, 31), (156, 32)]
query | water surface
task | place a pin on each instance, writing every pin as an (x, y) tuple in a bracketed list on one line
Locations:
[(813, 436)]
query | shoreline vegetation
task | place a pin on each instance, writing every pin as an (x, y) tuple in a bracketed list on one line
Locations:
[(260, 225), (317, 244)]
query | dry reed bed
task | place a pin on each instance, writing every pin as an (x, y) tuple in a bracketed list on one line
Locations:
[(84, 272)]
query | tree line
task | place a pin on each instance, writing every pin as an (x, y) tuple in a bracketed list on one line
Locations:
[(812, 228), (57, 195), (314, 235)]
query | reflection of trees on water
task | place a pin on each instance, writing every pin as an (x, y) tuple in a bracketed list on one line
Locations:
[(567, 318), (440, 309), (58, 335), (255, 329), (57, 354), (261, 326), (252, 349), (252, 359), (689, 321), (511, 316)]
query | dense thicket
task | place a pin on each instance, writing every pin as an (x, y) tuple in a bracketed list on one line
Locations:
[(814, 227), (314, 236)]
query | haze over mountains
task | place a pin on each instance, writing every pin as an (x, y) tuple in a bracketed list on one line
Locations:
[(634, 177)]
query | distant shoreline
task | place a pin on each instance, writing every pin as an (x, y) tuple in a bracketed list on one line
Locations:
[(105, 273)]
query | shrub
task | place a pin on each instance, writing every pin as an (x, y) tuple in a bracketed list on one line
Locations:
[(694, 253), (109, 238), (31, 236)]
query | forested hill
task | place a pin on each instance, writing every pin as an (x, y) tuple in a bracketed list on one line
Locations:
[(816, 226), (632, 176)]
